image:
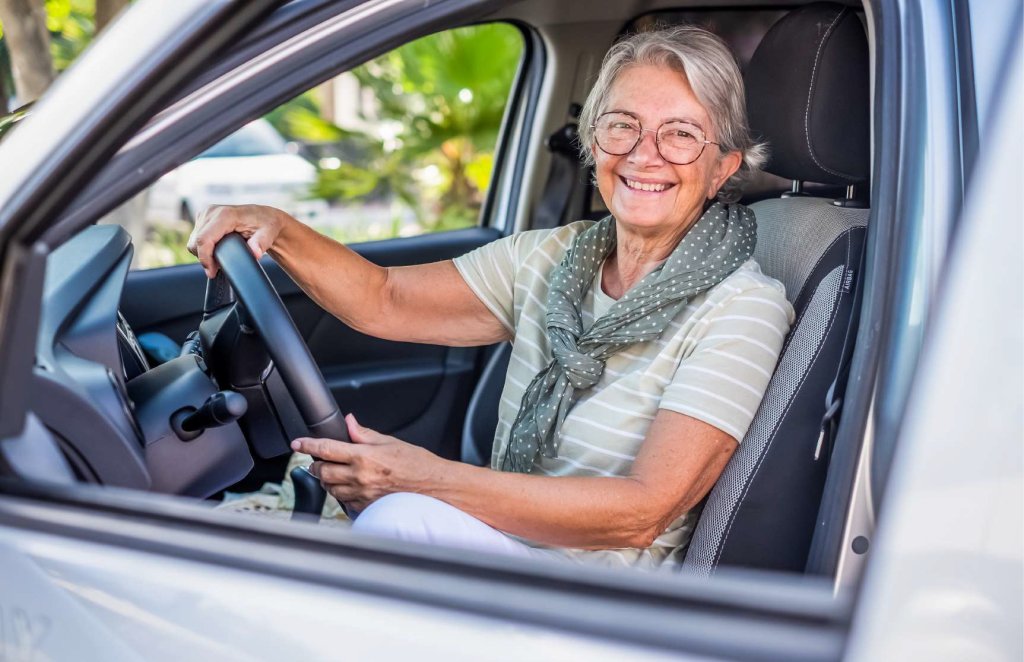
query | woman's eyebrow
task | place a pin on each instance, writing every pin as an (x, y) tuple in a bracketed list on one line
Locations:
[(688, 120)]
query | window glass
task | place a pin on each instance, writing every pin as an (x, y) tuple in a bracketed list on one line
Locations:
[(400, 146)]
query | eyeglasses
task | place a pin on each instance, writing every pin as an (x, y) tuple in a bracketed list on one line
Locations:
[(678, 142)]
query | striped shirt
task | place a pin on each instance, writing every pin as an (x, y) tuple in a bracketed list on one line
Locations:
[(712, 362)]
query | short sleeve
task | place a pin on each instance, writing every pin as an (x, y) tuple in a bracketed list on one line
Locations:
[(490, 272), (723, 380), (494, 270)]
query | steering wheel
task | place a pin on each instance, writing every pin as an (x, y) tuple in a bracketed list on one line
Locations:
[(299, 372)]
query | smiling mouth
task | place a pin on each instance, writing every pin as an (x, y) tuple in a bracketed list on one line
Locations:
[(646, 187)]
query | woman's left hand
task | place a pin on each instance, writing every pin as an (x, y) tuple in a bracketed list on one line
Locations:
[(372, 466)]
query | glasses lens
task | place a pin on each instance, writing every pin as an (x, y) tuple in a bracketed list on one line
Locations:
[(616, 133), (680, 142)]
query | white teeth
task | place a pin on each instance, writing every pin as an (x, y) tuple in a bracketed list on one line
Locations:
[(645, 187)]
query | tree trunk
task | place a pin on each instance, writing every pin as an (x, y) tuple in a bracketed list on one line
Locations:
[(106, 10), (28, 44)]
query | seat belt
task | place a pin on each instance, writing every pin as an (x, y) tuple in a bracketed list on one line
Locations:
[(558, 203), (836, 390)]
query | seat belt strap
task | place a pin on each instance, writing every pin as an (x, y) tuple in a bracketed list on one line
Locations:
[(560, 189), (836, 390)]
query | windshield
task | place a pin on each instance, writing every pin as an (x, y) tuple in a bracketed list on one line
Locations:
[(257, 138)]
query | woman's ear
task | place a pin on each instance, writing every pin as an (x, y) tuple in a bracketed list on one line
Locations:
[(725, 167)]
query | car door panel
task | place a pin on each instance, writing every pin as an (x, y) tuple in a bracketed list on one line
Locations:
[(415, 391)]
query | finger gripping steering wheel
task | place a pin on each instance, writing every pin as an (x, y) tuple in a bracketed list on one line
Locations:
[(286, 347)]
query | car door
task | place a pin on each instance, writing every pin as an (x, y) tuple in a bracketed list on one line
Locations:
[(417, 392)]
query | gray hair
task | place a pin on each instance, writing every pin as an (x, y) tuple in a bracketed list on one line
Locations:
[(712, 72)]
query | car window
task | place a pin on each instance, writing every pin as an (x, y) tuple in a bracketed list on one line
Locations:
[(257, 138), (399, 146)]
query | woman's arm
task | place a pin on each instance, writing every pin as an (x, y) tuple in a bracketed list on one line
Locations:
[(429, 303), (678, 463)]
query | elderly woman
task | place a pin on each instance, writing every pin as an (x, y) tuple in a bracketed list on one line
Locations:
[(642, 343)]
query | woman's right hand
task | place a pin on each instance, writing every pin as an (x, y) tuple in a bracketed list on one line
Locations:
[(260, 226)]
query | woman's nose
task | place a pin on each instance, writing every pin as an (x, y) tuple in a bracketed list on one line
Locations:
[(646, 150)]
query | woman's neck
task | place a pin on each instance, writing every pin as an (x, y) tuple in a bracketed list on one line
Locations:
[(635, 256)]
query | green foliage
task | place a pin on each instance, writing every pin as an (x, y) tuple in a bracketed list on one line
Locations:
[(300, 119), (443, 98), (71, 27), (164, 246)]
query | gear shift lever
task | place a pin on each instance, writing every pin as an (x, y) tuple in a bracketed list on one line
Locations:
[(309, 495)]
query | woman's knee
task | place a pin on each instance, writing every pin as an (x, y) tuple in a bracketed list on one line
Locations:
[(403, 515)]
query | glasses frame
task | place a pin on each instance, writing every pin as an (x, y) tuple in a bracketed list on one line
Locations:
[(704, 142)]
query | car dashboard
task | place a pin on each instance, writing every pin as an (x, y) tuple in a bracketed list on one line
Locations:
[(112, 413)]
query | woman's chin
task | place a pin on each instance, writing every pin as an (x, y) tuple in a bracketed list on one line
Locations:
[(645, 220)]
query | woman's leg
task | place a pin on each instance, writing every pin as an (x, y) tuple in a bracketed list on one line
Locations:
[(424, 519)]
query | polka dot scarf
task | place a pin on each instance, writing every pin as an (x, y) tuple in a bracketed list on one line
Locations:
[(719, 242)]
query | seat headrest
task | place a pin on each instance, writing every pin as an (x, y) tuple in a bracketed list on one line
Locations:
[(808, 95)]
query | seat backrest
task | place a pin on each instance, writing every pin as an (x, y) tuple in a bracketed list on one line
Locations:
[(807, 95)]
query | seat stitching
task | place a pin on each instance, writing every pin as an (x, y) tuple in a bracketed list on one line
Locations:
[(810, 95)]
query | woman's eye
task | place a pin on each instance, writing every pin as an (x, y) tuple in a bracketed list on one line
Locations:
[(622, 125)]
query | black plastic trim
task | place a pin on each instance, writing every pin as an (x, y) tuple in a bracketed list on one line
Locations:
[(526, 98)]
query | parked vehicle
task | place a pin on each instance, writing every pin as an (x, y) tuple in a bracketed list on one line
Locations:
[(888, 520), (254, 165)]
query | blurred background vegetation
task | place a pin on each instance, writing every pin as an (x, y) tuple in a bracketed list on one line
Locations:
[(430, 138), (418, 143)]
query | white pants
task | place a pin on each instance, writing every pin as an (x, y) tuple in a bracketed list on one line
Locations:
[(424, 519)]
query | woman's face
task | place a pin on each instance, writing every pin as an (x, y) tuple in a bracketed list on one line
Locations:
[(655, 95)]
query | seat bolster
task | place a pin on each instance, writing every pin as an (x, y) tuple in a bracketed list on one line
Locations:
[(762, 511), (793, 235)]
